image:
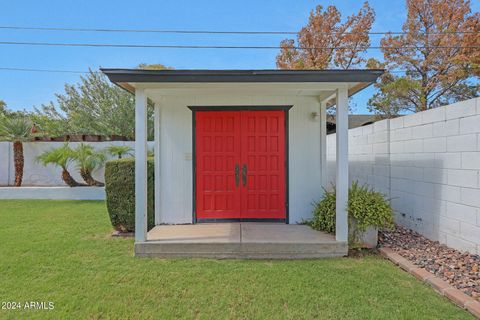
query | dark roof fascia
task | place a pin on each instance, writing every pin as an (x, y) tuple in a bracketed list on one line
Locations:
[(212, 76)]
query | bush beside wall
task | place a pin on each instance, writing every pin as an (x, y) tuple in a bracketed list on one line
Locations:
[(120, 193), (366, 208)]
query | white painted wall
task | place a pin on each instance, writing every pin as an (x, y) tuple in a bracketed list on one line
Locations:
[(53, 193), (176, 152), (5, 162), (35, 174), (429, 165)]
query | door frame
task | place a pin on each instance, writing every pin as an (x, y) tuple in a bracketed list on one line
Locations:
[(195, 109)]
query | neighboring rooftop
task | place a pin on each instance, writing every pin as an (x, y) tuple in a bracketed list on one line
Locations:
[(354, 121)]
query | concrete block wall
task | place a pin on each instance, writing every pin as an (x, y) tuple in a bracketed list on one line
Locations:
[(368, 152), (430, 169)]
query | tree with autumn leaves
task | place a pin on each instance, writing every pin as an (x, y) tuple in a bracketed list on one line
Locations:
[(327, 42), (437, 53)]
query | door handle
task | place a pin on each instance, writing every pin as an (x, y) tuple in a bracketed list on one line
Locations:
[(244, 175), (237, 175)]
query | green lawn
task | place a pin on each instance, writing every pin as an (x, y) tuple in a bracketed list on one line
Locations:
[(61, 251)]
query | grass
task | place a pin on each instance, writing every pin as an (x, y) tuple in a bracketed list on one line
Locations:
[(61, 251)]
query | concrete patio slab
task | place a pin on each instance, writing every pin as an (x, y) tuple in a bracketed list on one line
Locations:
[(196, 233), (240, 240), (282, 233)]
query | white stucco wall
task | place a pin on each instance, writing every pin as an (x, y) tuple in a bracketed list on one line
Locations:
[(53, 193), (428, 163), (5, 161), (176, 153), (36, 174)]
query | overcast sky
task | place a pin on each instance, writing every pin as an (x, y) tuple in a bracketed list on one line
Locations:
[(23, 90)]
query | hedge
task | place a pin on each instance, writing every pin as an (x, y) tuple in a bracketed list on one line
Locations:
[(120, 192)]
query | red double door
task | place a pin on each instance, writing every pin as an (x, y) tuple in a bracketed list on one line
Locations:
[(240, 165)]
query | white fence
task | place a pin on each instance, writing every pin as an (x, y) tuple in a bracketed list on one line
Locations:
[(428, 163)]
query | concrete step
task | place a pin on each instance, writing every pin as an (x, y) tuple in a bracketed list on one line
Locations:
[(240, 241), (241, 250)]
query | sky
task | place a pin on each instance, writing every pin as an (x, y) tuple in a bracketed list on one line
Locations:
[(23, 90)]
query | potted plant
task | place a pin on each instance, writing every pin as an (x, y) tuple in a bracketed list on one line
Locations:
[(368, 210)]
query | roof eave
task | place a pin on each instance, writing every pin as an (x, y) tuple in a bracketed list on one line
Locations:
[(240, 76)]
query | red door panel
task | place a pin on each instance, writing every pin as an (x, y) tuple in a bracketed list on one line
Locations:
[(217, 153), (263, 157), (240, 165)]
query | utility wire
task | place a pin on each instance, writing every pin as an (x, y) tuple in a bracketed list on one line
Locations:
[(210, 31), (119, 45), (86, 72), (40, 70)]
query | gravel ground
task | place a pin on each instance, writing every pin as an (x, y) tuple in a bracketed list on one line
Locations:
[(461, 270)]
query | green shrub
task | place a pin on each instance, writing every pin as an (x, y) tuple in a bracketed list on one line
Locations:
[(120, 191), (366, 206)]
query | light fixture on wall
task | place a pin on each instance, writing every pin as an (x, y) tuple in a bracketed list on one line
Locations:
[(315, 116)]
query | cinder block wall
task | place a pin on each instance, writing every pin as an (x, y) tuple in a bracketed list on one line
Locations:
[(428, 163)]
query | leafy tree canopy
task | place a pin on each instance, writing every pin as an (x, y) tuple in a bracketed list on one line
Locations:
[(155, 66), (3, 106), (92, 106), (438, 67), (5, 112), (327, 42)]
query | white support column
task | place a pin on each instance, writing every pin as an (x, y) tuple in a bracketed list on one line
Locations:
[(341, 231), (323, 143), (156, 134), (140, 165)]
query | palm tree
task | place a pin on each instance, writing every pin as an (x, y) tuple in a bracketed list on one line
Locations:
[(17, 129), (119, 151), (60, 157), (88, 160)]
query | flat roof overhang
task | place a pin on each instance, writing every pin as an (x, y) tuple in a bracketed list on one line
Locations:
[(129, 79)]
